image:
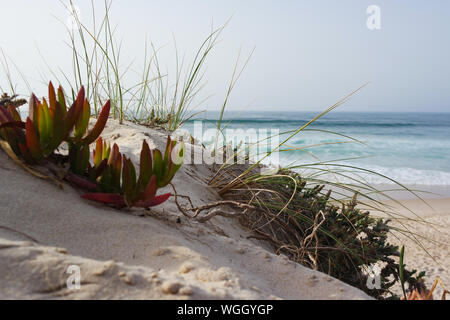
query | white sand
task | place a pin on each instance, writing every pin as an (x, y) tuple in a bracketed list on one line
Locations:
[(124, 256), (433, 253)]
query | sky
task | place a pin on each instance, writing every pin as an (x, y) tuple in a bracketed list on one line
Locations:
[(308, 53)]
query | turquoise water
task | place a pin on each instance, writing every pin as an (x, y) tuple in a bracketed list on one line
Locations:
[(412, 148)]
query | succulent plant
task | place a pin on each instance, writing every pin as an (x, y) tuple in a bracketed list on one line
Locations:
[(112, 176), (165, 167), (133, 191), (49, 124), (81, 139)]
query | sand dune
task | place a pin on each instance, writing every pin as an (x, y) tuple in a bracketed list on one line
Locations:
[(156, 254)]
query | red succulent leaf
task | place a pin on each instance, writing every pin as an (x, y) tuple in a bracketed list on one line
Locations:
[(127, 180), (33, 140), (52, 97), (80, 182), (74, 111), (99, 125), (150, 190), (13, 124), (98, 170), (155, 202), (5, 116), (106, 198), (25, 153)]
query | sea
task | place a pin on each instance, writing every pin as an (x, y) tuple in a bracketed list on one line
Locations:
[(409, 148)]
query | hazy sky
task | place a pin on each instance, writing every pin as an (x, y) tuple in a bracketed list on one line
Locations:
[(309, 53)]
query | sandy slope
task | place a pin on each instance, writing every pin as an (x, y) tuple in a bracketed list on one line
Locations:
[(162, 255)]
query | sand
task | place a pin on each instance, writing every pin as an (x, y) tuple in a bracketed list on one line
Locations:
[(157, 254), (432, 254)]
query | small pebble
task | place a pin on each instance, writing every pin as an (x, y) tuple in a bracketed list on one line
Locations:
[(312, 281), (129, 281), (186, 268), (186, 291), (171, 287)]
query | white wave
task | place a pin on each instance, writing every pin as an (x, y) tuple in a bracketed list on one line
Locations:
[(403, 175)]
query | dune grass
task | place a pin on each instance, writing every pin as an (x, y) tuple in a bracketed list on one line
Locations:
[(308, 213), (154, 100)]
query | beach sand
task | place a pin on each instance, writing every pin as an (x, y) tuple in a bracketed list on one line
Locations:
[(429, 250), (157, 254)]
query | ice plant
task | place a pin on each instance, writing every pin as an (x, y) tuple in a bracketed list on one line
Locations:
[(81, 139), (109, 181), (48, 124), (165, 167), (138, 191)]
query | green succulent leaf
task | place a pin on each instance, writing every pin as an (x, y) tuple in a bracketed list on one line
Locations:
[(83, 121), (99, 125), (52, 97), (58, 133), (43, 124), (62, 101), (127, 181), (158, 169), (14, 113), (98, 152), (175, 166), (145, 168)]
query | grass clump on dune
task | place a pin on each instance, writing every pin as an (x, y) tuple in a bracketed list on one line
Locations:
[(314, 218)]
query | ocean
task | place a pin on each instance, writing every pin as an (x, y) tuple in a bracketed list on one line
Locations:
[(411, 148)]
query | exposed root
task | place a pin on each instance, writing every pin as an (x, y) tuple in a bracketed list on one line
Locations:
[(213, 208)]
